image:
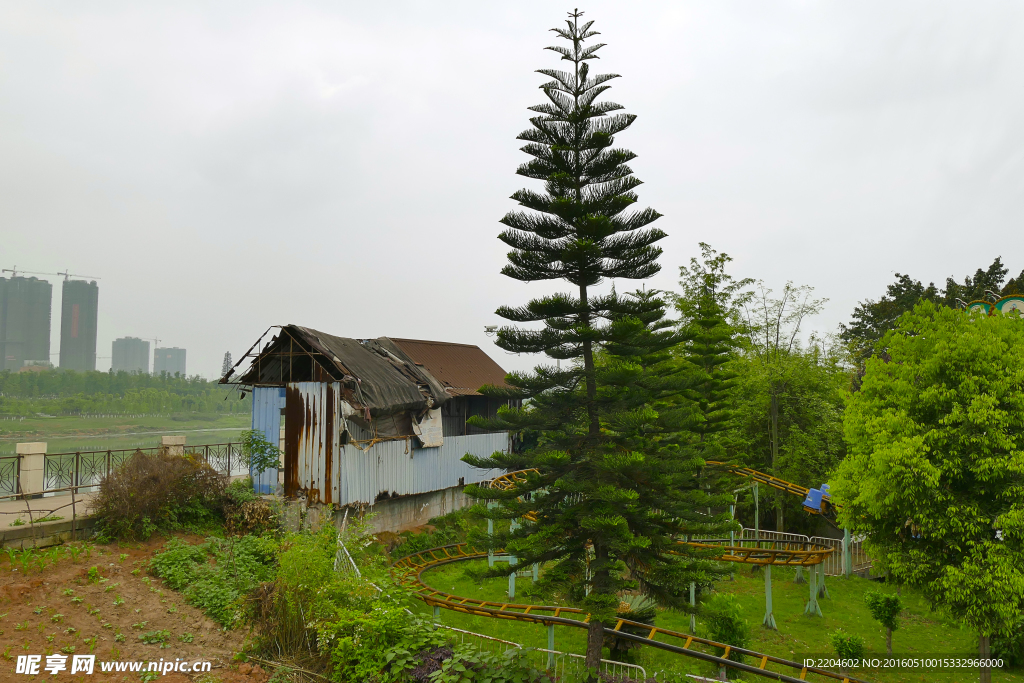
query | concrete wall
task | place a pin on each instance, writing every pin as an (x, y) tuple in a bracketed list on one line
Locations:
[(392, 514)]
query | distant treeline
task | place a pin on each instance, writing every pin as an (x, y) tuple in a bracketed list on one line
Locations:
[(62, 392)]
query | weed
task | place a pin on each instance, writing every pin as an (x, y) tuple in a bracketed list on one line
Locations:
[(119, 638), (93, 574), (70, 631), (111, 587), (7, 654), (140, 625), (38, 610), (69, 591), (68, 649), (119, 601), (49, 518), (22, 626), (122, 557), (156, 638), (115, 653), (93, 612), (57, 618), (106, 624), (18, 522), (49, 638), (77, 600), (146, 580), (147, 676), (172, 609), (186, 637)]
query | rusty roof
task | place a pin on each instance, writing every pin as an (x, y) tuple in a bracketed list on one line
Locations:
[(461, 368)]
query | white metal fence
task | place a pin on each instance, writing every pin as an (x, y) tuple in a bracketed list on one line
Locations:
[(833, 562)]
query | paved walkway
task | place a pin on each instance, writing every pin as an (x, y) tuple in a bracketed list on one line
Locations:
[(61, 505)]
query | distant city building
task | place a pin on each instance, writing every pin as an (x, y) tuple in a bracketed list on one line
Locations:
[(79, 306), (170, 360), (24, 322), (130, 354)]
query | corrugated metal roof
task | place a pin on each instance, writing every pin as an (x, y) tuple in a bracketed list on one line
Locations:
[(461, 368)]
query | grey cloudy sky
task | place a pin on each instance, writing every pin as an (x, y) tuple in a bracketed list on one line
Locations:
[(228, 166)]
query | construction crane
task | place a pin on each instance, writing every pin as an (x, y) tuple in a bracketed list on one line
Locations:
[(14, 273)]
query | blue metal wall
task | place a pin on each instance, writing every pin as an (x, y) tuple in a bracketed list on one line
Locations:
[(267, 403)]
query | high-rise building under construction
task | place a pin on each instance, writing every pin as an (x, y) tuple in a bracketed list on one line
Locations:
[(80, 302), (170, 360), (24, 322), (129, 354)]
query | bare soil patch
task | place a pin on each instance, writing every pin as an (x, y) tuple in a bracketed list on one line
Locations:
[(68, 610)]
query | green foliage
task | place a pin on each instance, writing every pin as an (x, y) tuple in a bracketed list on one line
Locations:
[(258, 454), (178, 562), (421, 652), (156, 638), (725, 623), (57, 392), (934, 471), (216, 575), (1010, 646), (447, 529), (162, 491), (872, 319), (885, 608), (846, 645)]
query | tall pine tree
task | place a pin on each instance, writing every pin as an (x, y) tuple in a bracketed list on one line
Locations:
[(616, 484)]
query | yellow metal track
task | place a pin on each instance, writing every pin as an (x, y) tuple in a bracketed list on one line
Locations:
[(409, 572)]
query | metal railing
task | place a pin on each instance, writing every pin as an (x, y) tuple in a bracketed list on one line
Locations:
[(833, 561), (9, 470), (84, 470)]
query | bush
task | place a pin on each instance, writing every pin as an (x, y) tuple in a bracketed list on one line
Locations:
[(238, 566), (725, 622), (151, 492), (245, 512), (847, 645), (1010, 648)]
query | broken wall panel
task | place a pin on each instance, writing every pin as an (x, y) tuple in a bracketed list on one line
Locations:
[(313, 428)]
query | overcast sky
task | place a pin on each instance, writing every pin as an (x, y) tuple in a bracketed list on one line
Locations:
[(228, 166)]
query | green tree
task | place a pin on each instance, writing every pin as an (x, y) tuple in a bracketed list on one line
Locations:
[(885, 608), (872, 319), (614, 487), (779, 376), (709, 305), (935, 470)]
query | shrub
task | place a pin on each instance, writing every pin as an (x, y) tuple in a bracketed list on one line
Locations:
[(725, 622), (245, 512), (217, 587), (164, 491), (885, 608), (847, 645), (1010, 647)]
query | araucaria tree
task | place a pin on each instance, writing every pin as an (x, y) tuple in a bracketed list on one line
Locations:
[(935, 470), (616, 483)]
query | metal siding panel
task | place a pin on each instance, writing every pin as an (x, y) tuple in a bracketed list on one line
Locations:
[(266, 418)]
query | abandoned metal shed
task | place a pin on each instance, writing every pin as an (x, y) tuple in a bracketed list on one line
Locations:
[(369, 419)]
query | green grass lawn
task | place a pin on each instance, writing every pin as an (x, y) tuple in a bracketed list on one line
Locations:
[(71, 433), (922, 632)]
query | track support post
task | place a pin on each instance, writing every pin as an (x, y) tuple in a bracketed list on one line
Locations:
[(769, 616), (847, 554), (437, 613), (551, 646), (812, 609), (490, 533), (822, 589), (799, 578), (693, 603)]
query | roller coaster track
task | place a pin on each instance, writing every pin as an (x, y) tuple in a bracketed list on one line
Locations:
[(826, 508), (409, 572)]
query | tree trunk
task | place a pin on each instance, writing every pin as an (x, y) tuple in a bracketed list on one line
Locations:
[(774, 439), (589, 372), (595, 641), (984, 672), (888, 641)]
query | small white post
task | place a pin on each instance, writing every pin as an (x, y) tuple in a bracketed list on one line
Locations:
[(693, 603), (31, 463)]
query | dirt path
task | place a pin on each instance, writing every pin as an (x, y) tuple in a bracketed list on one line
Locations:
[(67, 608)]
